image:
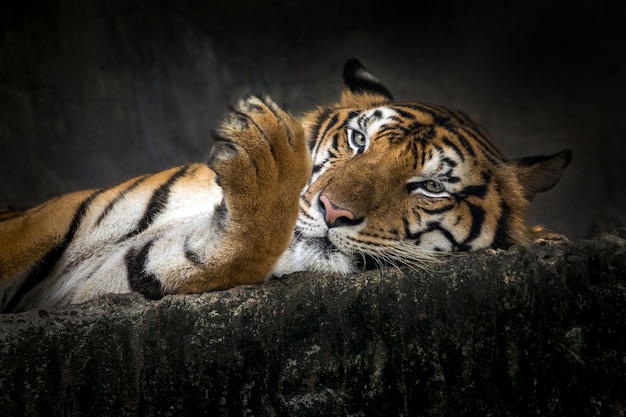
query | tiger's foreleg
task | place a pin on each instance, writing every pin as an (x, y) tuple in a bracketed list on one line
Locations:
[(262, 163)]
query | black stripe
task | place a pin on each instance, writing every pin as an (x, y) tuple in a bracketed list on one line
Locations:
[(405, 115), (315, 130), (501, 237), (394, 133), (407, 225), (464, 143), (451, 179), (438, 148), (317, 168), (303, 213), (335, 143), (468, 120), (352, 114), (489, 150), (435, 226), (377, 115), (442, 152), (423, 108), (157, 203), (443, 112), (368, 235), (139, 279), (42, 269), (478, 218), (446, 141), (305, 200), (439, 210), (320, 139), (442, 120), (422, 156), (411, 148), (451, 162), (192, 255), (474, 191), (119, 198)]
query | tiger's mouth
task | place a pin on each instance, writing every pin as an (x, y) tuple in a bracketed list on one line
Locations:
[(328, 250), (323, 246)]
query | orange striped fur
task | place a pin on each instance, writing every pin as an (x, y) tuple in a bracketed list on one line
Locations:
[(363, 182)]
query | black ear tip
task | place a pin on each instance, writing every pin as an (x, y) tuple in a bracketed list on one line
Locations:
[(567, 156), (351, 67), (358, 80)]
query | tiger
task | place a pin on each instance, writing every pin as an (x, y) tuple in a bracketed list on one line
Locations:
[(364, 182)]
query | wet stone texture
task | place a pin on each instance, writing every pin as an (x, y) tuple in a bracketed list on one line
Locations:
[(523, 332)]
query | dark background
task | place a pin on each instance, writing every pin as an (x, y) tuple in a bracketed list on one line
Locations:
[(95, 92)]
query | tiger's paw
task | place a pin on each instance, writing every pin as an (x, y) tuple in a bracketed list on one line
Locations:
[(262, 162)]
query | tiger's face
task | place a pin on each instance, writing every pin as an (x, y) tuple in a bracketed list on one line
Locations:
[(394, 183)]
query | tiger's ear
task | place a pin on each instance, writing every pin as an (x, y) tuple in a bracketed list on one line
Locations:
[(361, 87), (537, 174)]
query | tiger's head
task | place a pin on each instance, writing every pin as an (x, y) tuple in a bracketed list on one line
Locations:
[(395, 182)]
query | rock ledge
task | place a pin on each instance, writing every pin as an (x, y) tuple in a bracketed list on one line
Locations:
[(524, 332)]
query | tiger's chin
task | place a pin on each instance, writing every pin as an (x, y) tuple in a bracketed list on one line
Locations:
[(316, 254)]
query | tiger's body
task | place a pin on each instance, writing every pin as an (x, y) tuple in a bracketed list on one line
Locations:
[(365, 181)]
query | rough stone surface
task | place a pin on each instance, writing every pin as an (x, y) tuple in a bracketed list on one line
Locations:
[(522, 332)]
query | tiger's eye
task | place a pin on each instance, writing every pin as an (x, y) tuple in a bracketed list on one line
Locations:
[(433, 186), (359, 139)]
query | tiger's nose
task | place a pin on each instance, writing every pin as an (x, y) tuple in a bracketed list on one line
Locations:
[(335, 215)]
